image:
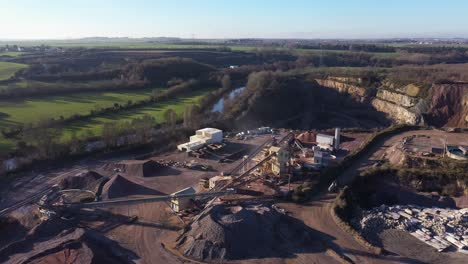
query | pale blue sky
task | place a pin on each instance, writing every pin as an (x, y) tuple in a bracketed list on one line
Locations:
[(44, 19)]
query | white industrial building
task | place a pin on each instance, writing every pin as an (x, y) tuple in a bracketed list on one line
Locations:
[(329, 142), (201, 138), (325, 141)]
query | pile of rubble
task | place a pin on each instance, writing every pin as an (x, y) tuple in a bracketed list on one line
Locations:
[(440, 228), (171, 163), (192, 164)]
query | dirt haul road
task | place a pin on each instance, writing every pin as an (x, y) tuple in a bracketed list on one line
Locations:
[(317, 213)]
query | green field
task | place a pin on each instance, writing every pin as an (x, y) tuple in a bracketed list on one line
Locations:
[(32, 110), (22, 111), (94, 124), (382, 54), (8, 69), (11, 53), (6, 145), (56, 85)]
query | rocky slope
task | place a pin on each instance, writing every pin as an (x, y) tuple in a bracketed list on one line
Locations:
[(449, 105)]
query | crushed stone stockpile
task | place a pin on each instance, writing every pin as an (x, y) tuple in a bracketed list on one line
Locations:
[(119, 186), (70, 246), (140, 168), (89, 180), (239, 232)]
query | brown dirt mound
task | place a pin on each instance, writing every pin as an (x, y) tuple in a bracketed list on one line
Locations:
[(70, 246), (10, 230), (119, 186), (243, 232), (449, 105), (308, 138), (140, 168), (89, 180)]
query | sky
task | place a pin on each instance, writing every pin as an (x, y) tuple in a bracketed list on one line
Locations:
[(68, 19)]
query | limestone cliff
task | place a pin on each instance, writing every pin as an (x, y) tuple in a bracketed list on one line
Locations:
[(398, 113), (344, 87), (399, 106), (397, 98)]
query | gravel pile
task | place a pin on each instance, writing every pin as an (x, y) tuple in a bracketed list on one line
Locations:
[(89, 180), (233, 233), (119, 186), (139, 168)]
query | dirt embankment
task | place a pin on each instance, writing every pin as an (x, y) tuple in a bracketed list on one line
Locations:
[(74, 245), (61, 241), (448, 105)]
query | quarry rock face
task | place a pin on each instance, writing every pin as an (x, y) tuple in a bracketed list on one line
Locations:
[(449, 105), (343, 87), (397, 98), (396, 112), (399, 107)]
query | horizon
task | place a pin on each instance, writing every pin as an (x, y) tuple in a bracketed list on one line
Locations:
[(299, 19), (208, 39)]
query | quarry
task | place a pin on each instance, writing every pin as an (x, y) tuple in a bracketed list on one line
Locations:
[(220, 201), (234, 151)]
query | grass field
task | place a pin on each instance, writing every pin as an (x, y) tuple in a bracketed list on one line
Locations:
[(8, 69), (94, 124), (56, 85), (11, 53), (27, 111), (22, 111), (148, 45)]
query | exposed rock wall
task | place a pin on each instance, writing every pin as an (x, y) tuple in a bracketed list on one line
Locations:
[(343, 87), (396, 112), (399, 107), (397, 98), (449, 105)]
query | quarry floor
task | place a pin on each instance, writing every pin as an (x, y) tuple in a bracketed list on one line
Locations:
[(151, 235)]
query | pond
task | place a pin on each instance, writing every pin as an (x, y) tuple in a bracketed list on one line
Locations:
[(219, 105)]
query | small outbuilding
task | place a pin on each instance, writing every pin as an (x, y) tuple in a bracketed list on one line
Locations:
[(219, 181), (179, 204)]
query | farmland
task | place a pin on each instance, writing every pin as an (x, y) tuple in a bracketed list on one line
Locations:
[(11, 53), (8, 69), (23, 111), (94, 124)]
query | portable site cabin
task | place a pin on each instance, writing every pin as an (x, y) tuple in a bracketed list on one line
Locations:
[(179, 204)]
